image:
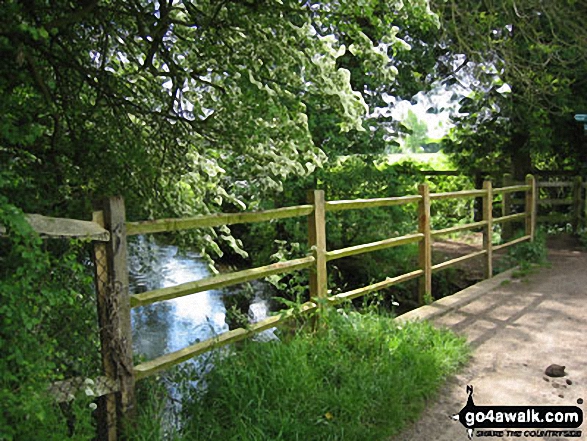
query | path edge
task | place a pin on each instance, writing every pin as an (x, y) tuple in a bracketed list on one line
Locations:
[(453, 302)]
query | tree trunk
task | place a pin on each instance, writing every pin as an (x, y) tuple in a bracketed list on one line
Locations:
[(520, 157)]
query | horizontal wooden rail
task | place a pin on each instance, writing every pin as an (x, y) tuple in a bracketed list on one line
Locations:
[(555, 201), (354, 204), (439, 172), (166, 361), (511, 189), (449, 263), (436, 233), (511, 242), (510, 218), (458, 194), (215, 220), (390, 281), (545, 201), (544, 184), (219, 281), (554, 218), (57, 227), (373, 246), (65, 390)]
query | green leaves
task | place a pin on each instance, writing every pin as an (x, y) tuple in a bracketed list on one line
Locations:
[(537, 49), (357, 377), (122, 97), (40, 292)]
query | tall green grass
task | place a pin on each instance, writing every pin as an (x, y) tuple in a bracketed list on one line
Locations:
[(358, 377)]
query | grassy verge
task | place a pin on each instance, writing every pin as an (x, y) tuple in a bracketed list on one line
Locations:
[(359, 377)]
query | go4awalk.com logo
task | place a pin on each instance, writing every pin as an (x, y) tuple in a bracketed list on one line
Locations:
[(520, 421)]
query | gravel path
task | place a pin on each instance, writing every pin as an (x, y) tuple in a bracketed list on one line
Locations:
[(516, 330)]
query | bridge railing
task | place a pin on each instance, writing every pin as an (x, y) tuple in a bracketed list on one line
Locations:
[(315, 211), (557, 201), (109, 230)]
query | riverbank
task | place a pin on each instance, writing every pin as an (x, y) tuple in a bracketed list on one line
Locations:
[(356, 376)]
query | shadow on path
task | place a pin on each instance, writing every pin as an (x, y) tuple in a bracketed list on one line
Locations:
[(515, 331)]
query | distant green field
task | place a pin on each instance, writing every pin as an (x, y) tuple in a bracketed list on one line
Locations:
[(437, 161)]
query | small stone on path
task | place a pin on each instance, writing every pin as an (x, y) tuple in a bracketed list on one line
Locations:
[(555, 370)]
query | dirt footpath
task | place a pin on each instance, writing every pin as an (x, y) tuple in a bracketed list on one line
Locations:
[(516, 330)]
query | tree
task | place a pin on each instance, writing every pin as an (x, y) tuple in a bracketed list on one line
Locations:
[(400, 32), (418, 136), (538, 50), (181, 106)]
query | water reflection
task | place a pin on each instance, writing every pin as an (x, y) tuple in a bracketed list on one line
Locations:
[(173, 324)]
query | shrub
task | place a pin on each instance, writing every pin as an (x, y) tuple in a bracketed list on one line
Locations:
[(41, 287)]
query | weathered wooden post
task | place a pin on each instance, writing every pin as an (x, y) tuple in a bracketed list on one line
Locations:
[(506, 207), (488, 229), (531, 207), (114, 319), (317, 239), (584, 185), (577, 202), (425, 245), (107, 421)]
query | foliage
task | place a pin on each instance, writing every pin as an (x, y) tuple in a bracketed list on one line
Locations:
[(418, 137), (189, 108), (529, 255), (186, 107), (352, 177), (237, 303), (183, 108), (522, 65), (534, 252), (359, 377), (40, 291)]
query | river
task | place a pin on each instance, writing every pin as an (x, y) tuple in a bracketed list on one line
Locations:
[(171, 325)]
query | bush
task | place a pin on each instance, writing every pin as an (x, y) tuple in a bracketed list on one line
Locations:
[(351, 178), (42, 286), (528, 254)]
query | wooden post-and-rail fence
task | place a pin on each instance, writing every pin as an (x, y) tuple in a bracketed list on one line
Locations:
[(557, 202), (109, 230)]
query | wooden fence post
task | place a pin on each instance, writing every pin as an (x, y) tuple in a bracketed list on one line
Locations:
[(506, 207), (584, 185), (488, 229), (114, 318), (531, 202), (577, 202), (317, 238), (107, 422), (425, 246)]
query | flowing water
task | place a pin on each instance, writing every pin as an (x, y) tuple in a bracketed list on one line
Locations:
[(171, 325)]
